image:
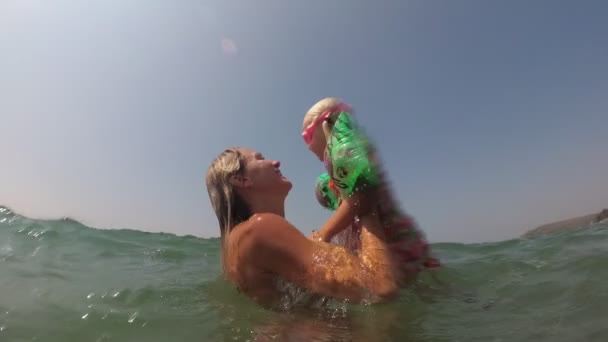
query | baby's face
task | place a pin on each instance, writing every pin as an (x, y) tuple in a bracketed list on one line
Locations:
[(318, 143)]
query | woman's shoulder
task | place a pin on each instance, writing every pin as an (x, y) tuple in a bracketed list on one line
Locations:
[(259, 220), (268, 243), (261, 229), (265, 221)]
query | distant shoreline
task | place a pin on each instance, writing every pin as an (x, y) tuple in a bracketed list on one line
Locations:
[(571, 224)]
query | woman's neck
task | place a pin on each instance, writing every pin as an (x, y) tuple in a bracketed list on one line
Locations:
[(267, 205)]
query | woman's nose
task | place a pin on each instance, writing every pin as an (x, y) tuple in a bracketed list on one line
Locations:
[(276, 163)]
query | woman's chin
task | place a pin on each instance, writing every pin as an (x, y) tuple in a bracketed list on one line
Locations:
[(286, 182)]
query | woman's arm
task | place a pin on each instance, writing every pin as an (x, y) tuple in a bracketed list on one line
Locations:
[(272, 244)]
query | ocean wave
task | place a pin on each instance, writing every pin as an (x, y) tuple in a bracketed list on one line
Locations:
[(62, 280)]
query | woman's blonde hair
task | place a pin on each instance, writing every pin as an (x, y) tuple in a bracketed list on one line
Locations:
[(229, 207), (318, 109)]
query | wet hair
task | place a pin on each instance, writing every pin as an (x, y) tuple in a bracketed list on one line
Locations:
[(228, 205)]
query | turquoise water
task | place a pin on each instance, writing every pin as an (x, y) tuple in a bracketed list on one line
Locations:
[(63, 281)]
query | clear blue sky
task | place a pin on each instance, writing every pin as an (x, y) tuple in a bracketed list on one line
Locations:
[(491, 116)]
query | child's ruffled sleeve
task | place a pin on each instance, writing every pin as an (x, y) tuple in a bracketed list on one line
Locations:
[(348, 157)]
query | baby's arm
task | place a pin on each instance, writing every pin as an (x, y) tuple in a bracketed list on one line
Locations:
[(355, 205), (339, 221), (352, 171)]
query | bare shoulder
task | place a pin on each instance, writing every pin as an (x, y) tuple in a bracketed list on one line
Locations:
[(265, 229), (268, 239), (267, 218), (261, 225), (271, 224)]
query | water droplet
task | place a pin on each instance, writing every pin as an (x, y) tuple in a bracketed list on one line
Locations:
[(2, 328), (90, 295), (116, 294), (85, 316), (104, 337), (145, 323), (132, 318)]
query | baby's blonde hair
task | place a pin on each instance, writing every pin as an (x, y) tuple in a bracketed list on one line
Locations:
[(317, 109)]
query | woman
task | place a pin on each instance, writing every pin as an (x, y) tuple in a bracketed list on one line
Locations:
[(260, 247)]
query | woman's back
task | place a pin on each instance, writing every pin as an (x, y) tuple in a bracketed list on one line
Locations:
[(250, 280)]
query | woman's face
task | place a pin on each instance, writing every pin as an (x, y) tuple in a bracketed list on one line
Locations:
[(261, 174)]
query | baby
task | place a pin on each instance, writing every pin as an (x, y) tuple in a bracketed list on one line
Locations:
[(354, 179)]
